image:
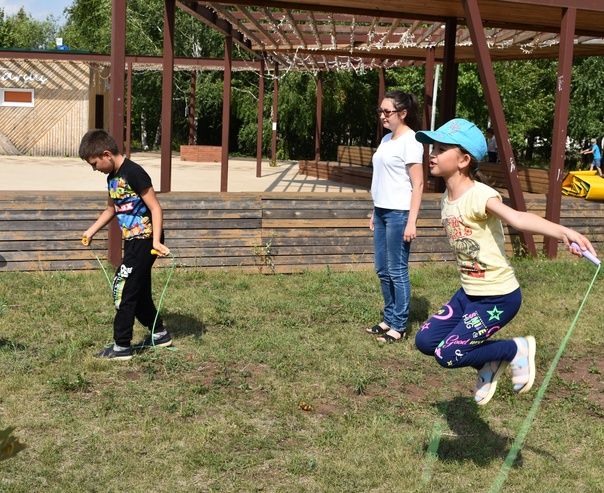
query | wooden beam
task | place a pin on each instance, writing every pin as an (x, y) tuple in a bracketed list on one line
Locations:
[(319, 116), (208, 17), (226, 112), (535, 15), (275, 116), (429, 181), (191, 109), (147, 60), (593, 5), (556, 171), (381, 91), (129, 111), (450, 71), (118, 59), (489, 84), (260, 133), (166, 98)]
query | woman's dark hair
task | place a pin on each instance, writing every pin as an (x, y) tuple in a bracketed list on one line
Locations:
[(406, 101), (95, 142)]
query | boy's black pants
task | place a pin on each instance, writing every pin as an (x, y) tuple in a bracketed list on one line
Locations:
[(132, 291)]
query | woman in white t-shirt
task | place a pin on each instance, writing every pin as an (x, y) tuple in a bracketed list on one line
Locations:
[(396, 189)]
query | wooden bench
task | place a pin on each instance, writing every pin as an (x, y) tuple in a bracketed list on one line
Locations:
[(353, 166), (343, 173), (532, 180), (358, 155)]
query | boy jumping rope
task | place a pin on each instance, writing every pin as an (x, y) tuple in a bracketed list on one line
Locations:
[(139, 214), (489, 297)]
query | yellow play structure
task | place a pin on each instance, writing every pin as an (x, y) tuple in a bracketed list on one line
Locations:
[(585, 184)]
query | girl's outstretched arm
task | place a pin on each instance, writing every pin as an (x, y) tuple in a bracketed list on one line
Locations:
[(531, 223)]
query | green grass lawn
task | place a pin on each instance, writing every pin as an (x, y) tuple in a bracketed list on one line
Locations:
[(275, 386)]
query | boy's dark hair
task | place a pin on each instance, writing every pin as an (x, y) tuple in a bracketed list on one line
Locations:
[(95, 142), (406, 101)]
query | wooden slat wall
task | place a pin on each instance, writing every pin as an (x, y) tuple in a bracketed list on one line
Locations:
[(355, 155), (349, 169), (352, 174), (59, 117), (532, 180), (353, 166), (258, 232), (42, 230)]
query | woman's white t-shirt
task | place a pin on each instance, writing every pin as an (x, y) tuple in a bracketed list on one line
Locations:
[(391, 186)]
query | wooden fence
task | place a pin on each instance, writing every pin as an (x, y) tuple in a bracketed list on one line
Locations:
[(259, 232), (532, 180)]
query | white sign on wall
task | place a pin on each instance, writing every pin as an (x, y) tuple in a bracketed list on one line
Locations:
[(22, 79)]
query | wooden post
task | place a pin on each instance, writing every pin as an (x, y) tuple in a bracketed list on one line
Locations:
[(381, 91), (226, 112), (428, 102), (129, 111), (118, 60), (259, 135), (489, 84), (191, 114), (556, 171), (450, 70), (319, 117), (275, 116), (166, 98)]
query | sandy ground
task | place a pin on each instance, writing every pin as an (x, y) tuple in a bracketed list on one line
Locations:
[(52, 173)]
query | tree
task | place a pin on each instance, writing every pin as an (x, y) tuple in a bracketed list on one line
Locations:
[(586, 119), (23, 31)]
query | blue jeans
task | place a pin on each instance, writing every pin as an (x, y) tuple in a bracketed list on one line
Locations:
[(392, 264)]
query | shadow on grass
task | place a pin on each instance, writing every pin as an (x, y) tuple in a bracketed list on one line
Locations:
[(183, 325), (9, 444), (419, 309), (15, 346), (473, 440)]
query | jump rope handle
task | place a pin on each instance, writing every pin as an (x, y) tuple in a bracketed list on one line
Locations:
[(85, 240), (586, 253), (158, 253)]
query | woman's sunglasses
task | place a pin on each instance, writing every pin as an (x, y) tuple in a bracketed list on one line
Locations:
[(386, 113)]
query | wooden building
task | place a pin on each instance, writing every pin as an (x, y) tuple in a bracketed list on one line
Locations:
[(47, 105)]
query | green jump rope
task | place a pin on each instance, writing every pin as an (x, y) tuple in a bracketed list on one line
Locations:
[(86, 242), (528, 421)]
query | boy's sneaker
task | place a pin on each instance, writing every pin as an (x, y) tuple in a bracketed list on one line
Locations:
[(110, 352), (160, 339), (486, 383), (523, 364)]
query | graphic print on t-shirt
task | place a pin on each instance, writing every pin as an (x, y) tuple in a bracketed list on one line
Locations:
[(132, 213), (466, 249)]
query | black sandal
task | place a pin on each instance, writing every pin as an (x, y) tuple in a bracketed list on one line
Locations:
[(377, 330), (388, 339)]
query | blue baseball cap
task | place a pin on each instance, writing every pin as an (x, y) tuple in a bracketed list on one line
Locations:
[(459, 132)]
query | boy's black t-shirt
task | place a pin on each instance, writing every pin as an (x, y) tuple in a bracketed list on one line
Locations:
[(125, 188)]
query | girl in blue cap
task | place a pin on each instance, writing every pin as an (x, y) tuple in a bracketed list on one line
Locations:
[(489, 297)]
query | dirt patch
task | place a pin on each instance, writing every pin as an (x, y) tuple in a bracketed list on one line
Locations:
[(586, 374)]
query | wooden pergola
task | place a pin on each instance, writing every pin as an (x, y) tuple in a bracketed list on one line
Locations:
[(354, 35)]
